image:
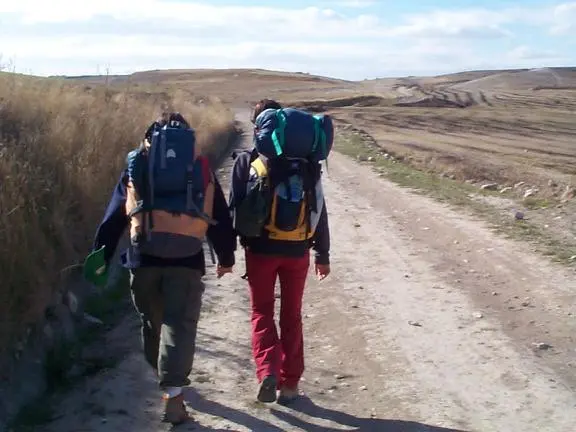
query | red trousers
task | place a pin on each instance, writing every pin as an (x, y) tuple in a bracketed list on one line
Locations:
[(281, 356)]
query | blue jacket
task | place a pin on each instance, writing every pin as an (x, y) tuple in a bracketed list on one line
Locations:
[(115, 222)]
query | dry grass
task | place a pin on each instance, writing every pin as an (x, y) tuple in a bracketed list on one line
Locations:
[(61, 151)]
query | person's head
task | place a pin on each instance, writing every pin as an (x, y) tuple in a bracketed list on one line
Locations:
[(263, 105), (173, 119)]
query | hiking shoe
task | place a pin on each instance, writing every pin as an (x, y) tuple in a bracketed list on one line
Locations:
[(175, 411), (267, 390), (288, 395)]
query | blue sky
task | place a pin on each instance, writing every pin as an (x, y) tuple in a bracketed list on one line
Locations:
[(351, 39)]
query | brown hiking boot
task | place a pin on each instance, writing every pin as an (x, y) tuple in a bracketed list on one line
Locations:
[(175, 410), (288, 395)]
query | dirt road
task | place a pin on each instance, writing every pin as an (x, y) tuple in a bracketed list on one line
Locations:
[(427, 323)]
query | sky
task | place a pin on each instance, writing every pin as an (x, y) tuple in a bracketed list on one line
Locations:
[(348, 39)]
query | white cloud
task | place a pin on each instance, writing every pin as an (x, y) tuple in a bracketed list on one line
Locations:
[(524, 52), (358, 4), (466, 23), (565, 19)]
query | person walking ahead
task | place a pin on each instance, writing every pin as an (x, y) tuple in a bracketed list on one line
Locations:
[(170, 200), (279, 213)]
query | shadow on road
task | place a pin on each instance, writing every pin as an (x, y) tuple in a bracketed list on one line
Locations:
[(303, 406), (357, 424), (198, 403)]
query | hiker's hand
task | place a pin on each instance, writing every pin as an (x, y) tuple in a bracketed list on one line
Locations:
[(322, 271), (221, 271)]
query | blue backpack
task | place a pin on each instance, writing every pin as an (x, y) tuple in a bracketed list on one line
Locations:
[(293, 133), (284, 197), (168, 176)]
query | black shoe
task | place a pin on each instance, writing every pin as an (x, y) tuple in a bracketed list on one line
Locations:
[(267, 390)]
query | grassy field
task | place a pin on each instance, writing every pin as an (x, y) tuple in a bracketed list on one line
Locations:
[(61, 150)]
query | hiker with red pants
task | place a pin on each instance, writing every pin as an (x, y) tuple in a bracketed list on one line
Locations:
[(170, 200), (279, 212)]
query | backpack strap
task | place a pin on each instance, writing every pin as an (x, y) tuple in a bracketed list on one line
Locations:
[(204, 165), (319, 137), (278, 134)]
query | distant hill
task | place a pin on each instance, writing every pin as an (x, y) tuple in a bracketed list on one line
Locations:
[(525, 79)]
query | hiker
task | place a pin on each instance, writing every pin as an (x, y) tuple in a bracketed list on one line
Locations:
[(279, 212), (170, 200)]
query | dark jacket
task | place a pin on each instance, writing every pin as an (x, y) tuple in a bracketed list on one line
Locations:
[(115, 222), (320, 242)]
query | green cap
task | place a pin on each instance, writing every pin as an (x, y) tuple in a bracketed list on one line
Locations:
[(95, 268)]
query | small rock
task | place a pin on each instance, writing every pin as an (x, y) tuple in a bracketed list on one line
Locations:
[(573, 258), (363, 388), (540, 346), (339, 376), (568, 193), (93, 320), (519, 215), (519, 185), (371, 159), (552, 183), (357, 225), (415, 323), (479, 315), (489, 186), (494, 293), (72, 302), (505, 190), (530, 192)]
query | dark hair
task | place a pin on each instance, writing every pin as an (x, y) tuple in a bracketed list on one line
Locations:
[(174, 119), (263, 105)]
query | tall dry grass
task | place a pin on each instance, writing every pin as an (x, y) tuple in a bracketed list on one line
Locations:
[(62, 148)]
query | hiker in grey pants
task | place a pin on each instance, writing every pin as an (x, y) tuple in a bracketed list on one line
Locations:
[(165, 256), (168, 300)]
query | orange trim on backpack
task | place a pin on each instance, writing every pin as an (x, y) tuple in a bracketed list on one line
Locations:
[(175, 224)]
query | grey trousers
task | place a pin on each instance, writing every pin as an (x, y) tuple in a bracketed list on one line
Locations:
[(168, 300)]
